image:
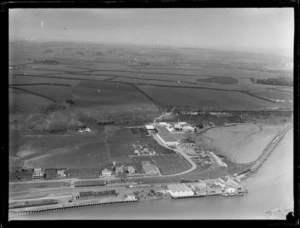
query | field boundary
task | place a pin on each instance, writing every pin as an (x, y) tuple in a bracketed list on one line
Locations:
[(33, 93)]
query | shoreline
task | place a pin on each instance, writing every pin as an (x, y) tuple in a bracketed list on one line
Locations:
[(77, 204)]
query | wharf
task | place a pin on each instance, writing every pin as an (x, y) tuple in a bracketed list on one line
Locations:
[(204, 195), (48, 208)]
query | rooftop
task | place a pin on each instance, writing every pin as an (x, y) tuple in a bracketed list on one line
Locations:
[(147, 166), (178, 187), (165, 134)]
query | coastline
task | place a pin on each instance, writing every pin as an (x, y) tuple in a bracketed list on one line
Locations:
[(256, 183)]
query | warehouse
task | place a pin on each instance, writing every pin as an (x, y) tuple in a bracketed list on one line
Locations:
[(183, 126), (86, 194), (105, 193), (165, 136), (198, 185), (230, 191), (179, 190)]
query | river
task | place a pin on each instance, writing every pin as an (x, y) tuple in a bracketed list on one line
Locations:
[(270, 188)]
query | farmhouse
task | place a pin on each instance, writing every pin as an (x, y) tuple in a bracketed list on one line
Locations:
[(149, 168), (106, 173), (38, 174), (61, 173), (131, 169), (149, 127), (119, 169)]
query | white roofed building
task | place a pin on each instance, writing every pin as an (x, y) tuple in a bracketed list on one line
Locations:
[(166, 137), (149, 127), (179, 190), (106, 173)]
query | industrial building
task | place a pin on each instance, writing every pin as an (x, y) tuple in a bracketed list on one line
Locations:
[(183, 126), (198, 185), (230, 190), (105, 193), (86, 194), (165, 136), (149, 168), (179, 190), (179, 127)]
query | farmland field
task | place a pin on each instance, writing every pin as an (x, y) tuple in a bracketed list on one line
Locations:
[(15, 162), (92, 155), (122, 83), (57, 93), (167, 164), (123, 141), (36, 145), (21, 102), (274, 94), (171, 164), (109, 98), (220, 80), (206, 99), (27, 80)]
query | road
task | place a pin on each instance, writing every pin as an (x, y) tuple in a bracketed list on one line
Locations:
[(179, 150), (271, 146), (66, 192)]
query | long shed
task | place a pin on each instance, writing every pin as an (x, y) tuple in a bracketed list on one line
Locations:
[(105, 193)]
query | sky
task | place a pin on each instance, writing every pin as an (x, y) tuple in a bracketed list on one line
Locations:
[(266, 30)]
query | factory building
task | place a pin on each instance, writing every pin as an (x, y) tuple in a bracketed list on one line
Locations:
[(179, 190), (165, 136), (198, 185), (230, 190), (107, 193), (183, 126)]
